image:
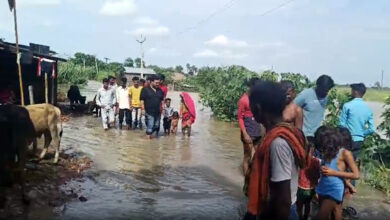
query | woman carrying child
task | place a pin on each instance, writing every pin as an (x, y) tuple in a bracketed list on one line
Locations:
[(335, 162)]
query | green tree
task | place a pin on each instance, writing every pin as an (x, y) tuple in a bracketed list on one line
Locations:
[(385, 125), (179, 69), (129, 62), (299, 81), (115, 67), (336, 100), (269, 75), (188, 67), (138, 62), (79, 59), (221, 88)]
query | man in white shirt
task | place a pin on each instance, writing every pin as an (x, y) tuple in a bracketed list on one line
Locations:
[(106, 99), (123, 100)]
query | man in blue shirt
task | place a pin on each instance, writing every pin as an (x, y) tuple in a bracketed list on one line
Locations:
[(313, 102), (357, 117)]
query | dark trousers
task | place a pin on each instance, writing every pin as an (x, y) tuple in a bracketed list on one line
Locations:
[(125, 113), (167, 124), (356, 146)]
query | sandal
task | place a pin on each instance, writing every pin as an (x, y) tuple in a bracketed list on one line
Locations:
[(350, 213)]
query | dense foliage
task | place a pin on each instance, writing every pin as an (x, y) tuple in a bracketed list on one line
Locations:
[(300, 81), (221, 88), (83, 67), (375, 153), (336, 100)]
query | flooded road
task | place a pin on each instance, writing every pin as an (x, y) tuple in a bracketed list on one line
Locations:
[(170, 177)]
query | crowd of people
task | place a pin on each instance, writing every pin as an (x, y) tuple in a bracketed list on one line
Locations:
[(144, 102), (290, 158)]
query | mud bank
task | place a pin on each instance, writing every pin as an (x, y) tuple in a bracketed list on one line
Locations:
[(48, 186)]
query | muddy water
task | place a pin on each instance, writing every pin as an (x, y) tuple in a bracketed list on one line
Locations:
[(170, 177)]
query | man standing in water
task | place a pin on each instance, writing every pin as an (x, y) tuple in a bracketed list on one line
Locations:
[(106, 99), (313, 103), (251, 131), (292, 113), (124, 104), (114, 86), (273, 182), (151, 98), (135, 95), (357, 117)]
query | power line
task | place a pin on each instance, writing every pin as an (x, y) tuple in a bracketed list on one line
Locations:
[(225, 7), (276, 8)]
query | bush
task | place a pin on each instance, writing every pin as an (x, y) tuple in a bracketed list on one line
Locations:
[(269, 76), (221, 88), (299, 81), (336, 100)]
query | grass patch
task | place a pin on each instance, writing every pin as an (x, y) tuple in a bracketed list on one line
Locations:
[(372, 95)]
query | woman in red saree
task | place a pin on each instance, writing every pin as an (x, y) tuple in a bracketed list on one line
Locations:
[(187, 113)]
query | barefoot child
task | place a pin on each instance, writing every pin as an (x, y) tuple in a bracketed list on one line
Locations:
[(175, 122), (336, 160), (167, 112), (187, 113)]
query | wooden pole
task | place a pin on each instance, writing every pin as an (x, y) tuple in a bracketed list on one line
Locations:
[(31, 94), (18, 57), (46, 90)]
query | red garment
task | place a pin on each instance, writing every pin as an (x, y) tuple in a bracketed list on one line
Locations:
[(187, 109), (164, 88), (260, 173), (308, 177), (244, 110)]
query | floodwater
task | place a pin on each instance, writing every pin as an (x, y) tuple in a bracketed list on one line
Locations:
[(170, 177)]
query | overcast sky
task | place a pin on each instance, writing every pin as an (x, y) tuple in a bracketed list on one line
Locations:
[(347, 39)]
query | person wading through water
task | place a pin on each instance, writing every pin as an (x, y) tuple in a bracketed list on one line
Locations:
[(151, 98), (273, 182), (251, 131)]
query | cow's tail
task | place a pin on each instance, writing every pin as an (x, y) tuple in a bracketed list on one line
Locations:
[(59, 124)]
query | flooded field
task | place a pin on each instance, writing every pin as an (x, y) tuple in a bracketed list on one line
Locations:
[(170, 177)]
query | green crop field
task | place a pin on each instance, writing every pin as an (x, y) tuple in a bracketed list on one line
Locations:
[(373, 95)]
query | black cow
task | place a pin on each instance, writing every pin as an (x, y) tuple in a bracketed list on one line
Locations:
[(74, 95), (16, 134)]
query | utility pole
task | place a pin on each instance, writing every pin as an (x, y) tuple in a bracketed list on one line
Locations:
[(141, 41), (382, 80), (96, 65)]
